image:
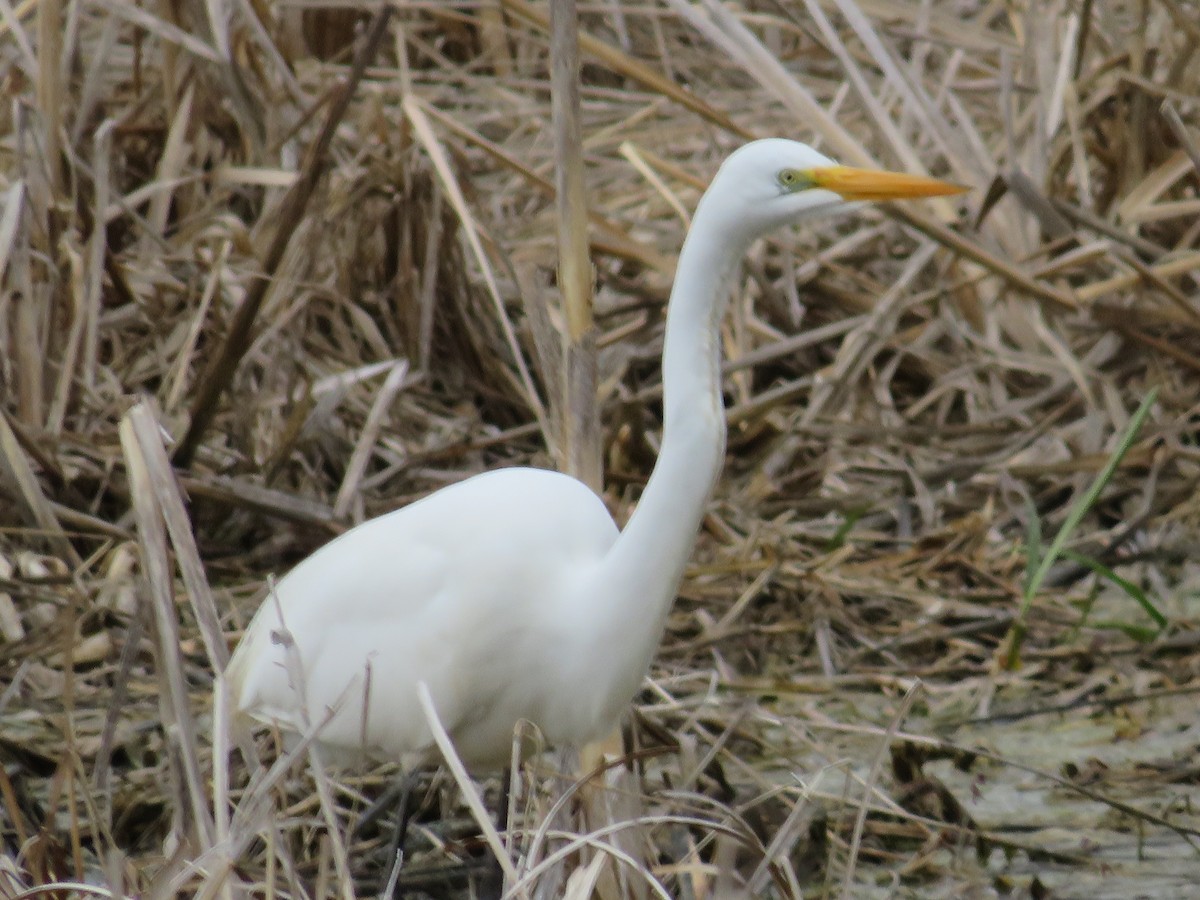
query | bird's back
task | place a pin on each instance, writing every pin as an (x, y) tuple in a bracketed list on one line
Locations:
[(465, 590)]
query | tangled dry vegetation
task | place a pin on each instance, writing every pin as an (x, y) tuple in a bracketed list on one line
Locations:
[(324, 310)]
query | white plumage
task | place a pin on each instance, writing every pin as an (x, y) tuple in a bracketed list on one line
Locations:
[(512, 594)]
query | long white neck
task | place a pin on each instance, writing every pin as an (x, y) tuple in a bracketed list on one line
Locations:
[(645, 565)]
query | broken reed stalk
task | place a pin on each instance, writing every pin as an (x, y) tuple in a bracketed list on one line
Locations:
[(138, 434), (224, 362), (179, 528), (579, 417)]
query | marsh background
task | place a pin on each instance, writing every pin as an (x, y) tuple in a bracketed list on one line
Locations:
[(871, 684)]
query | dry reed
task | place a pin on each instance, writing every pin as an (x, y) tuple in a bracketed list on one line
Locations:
[(314, 264)]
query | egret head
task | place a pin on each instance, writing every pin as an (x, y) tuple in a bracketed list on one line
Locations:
[(771, 182)]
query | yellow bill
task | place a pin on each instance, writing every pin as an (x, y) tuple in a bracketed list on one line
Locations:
[(873, 184)]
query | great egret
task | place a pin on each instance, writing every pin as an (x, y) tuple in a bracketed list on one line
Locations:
[(513, 595)]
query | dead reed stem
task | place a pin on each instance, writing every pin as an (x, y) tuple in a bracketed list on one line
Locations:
[(319, 244)]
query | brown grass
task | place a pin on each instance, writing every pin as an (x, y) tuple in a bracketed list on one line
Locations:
[(325, 303)]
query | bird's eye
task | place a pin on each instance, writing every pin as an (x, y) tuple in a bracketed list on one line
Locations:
[(793, 179)]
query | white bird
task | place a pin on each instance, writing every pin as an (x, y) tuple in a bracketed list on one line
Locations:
[(513, 594)]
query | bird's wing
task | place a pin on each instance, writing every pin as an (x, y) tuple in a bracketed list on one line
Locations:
[(451, 591)]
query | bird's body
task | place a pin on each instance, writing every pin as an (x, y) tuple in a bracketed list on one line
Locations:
[(512, 595), (457, 596)]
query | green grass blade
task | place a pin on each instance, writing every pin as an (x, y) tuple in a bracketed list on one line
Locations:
[(1124, 584), (839, 537), (1074, 517), (1143, 634)]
